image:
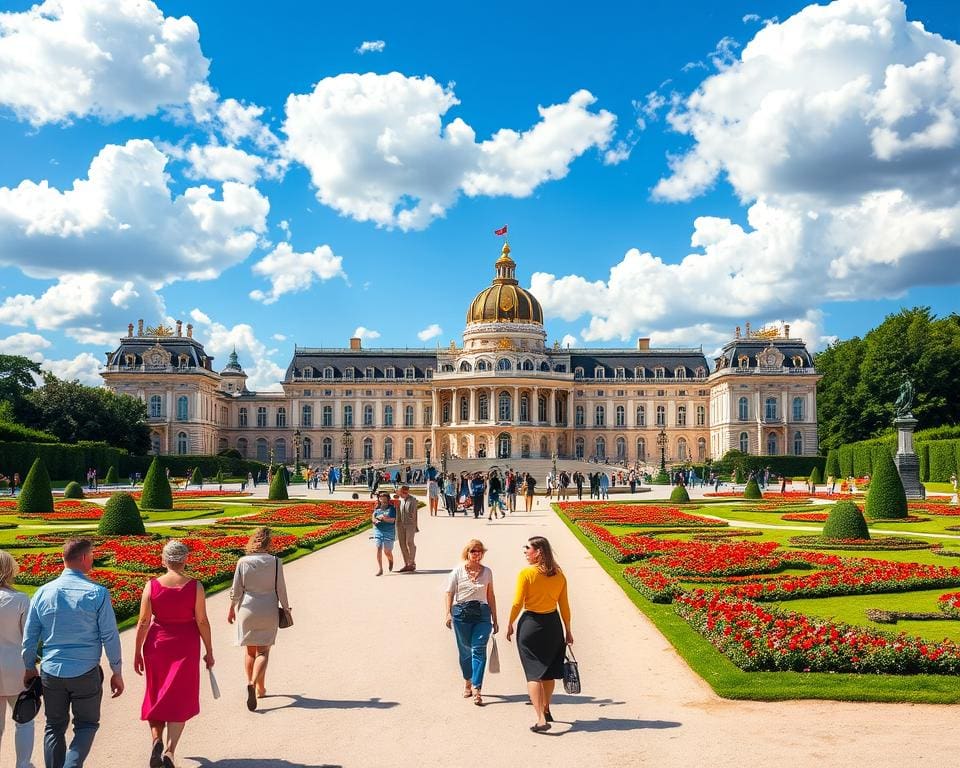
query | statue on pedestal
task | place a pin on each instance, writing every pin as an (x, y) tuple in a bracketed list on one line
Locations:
[(904, 402)]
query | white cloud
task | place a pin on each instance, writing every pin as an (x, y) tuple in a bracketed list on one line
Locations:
[(125, 206), (84, 368), (430, 332), (751, 17), (568, 341), (292, 272), (223, 164), (377, 148), (24, 344), (370, 46), (366, 333), (278, 337), (263, 373), (66, 59)]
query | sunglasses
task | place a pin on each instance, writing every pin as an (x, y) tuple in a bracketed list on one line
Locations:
[(475, 551)]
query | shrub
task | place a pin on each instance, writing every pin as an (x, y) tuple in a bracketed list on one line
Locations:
[(863, 459), (16, 433), (219, 478), (739, 476), (815, 478), (73, 490), (197, 477), (113, 477), (36, 495), (942, 455), (230, 453), (885, 497), (121, 517), (679, 495), (923, 453), (832, 468), (278, 487), (845, 522), (845, 457), (156, 493), (752, 490)]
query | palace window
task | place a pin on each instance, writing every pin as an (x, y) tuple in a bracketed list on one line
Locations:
[(680, 373), (328, 372), (348, 416), (600, 449), (483, 405), (621, 416), (464, 408), (182, 443), (368, 448), (701, 449), (481, 365), (599, 416), (681, 415), (281, 416), (242, 418), (408, 448), (772, 444), (743, 361), (261, 416), (798, 409), (445, 413), (770, 408), (307, 448), (408, 416), (541, 408), (578, 416), (682, 449), (427, 415), (280, 449), (326, 448), (658, 373), (409, 373), (641, 449), (503, 364), (388, 415), (448, 368), (504, 409), (307, 373), (525, 447), (661, 416), (368, 372), (524, 408), (182, 408), (619, 373), (560, 368), (641, 416), (528, 365), (388, 449), (743, 409), (327, 416), (701, 416), (348, 372), (578, 447), (621, 448), (242, 446), (578, 372), (465, 367), (390, 372), (744, 442), (701, 372), (306, 416), (368, 415), (156, 406), (545, 366), (429, 373), (263, 452), (797, 444)]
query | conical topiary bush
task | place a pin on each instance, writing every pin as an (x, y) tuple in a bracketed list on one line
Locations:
[(679, 495), (121, 517), (815, 478), (738, 475), (886, 498), (36, 496), (73, 490), (156, 492), (845, 522), (113, 477), (196, 478), (752, 490), (278, 487), (833, 463)]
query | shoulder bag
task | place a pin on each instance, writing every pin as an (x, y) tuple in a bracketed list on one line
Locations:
[(571, 672), (285, 618)]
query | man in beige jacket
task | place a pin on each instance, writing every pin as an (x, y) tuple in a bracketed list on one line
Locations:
[(406, 529)]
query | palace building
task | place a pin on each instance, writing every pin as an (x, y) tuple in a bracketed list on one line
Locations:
[(504, 393)]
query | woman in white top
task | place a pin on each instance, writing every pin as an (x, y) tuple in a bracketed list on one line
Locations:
[(258, 586), (471, 609), (13, 615)]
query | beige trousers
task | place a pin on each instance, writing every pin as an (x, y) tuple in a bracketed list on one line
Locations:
[(408, 549)]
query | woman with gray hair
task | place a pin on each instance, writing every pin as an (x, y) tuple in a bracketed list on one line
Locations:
[(173, 621), (258, 586), (13, 615)]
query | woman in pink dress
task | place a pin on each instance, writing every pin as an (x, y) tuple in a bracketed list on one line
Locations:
[(173, 621)]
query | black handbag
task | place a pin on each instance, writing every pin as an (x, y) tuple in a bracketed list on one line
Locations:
[(27, 705), (284, 617), (571, 672)]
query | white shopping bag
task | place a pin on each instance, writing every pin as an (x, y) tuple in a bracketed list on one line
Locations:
[(494, 663), (214, 688)]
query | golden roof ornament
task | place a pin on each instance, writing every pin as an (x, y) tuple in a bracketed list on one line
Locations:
[(159, 330)]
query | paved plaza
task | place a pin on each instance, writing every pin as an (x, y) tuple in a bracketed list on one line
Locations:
[(368, 678)]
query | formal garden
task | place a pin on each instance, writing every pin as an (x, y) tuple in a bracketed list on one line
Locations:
[(774, 596), (129, 529)]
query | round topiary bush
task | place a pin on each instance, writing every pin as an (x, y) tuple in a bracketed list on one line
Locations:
[(679, 495), (197, 477), (845, 522), (752, 490), (156, 493), (886, 498), (113, 477), (36, 496), (278, 488), (121, 517), (73, 490)]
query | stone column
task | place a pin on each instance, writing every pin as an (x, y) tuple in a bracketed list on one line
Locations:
[(552, 408), (535, 405), (516, 408), (473, 406)]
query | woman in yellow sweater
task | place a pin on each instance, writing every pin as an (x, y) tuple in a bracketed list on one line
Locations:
[(541, 590)]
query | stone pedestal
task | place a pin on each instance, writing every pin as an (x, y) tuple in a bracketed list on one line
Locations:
[(906, 459)]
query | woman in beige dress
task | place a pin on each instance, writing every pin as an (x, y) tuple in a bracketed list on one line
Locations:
[(257, 586), (13, 615)]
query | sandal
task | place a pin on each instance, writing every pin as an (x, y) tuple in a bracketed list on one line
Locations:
[(477, 699), (251, 698), (468, 691), (156, 754)]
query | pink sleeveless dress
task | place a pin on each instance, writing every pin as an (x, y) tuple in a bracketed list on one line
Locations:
[(171, 655)]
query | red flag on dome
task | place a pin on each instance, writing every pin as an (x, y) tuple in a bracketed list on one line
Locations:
[(500, 232)]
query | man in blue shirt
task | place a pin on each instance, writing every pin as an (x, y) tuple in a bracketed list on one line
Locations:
[(74, 619)]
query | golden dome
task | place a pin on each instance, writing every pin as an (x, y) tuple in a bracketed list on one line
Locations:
[(505, 301)]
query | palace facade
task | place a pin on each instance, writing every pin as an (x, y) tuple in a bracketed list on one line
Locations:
[(504, 393)]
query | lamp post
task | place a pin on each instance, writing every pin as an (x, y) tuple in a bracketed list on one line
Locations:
[(662, 442), (296, 449), (554, 458), (443, 463), (346, 440)]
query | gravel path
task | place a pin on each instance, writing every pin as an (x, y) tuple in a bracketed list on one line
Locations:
[(368, 678)]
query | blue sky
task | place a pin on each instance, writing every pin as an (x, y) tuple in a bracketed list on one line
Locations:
[(666, 172)]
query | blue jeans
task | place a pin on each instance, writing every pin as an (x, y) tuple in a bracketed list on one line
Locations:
[(82, 694), (472, 639)]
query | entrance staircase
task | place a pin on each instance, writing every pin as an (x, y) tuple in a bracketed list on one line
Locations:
[(536, 467)]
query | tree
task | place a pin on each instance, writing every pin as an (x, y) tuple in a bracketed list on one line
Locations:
[(73, 412), (121, 517), (18, 376), (886, 498), (36, 496), (156, 493), (278, 487)]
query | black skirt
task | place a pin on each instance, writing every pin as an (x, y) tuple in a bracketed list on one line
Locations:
[(541, 643)]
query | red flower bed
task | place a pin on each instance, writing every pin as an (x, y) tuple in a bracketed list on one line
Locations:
[(653, 585), (68, 509), (719, 560), (641, 515), (950, 604), (931, 507), (757, 638), (805, 517), (303, 514)]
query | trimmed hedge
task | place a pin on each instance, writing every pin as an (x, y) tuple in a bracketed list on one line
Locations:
[(938, 450), (17, 433), (679, 495), (278, 487), (832, 468), (886, 498), (845, 521), (156, 493), (121, 517), (36, 496), (752, 490), (73, 490), (789, 466)]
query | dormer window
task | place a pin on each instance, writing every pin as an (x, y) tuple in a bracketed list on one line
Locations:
[(130, 360), (390, 372), (182, 361), (639, 372), (328, 372), (619, 373), (598, 372), (308, 373), (429, 374), (578, 372), (368, 372), (743, 361), (658, 373), (680, 373), (409, 373), (797, 361), (481, 365), (701, 372)]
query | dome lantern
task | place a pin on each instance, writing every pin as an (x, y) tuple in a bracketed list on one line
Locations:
[(505, 301)]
